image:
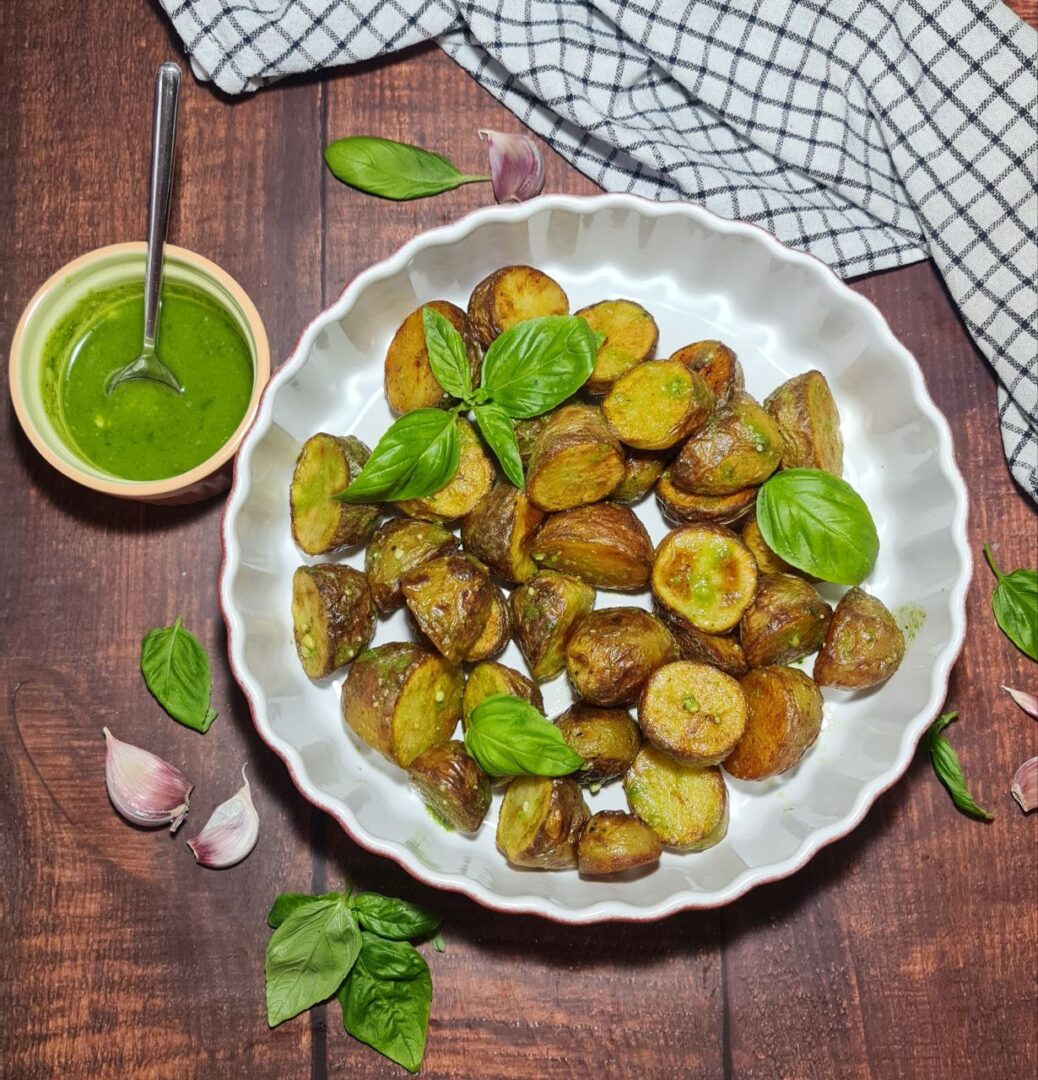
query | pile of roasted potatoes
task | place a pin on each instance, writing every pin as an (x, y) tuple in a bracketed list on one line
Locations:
[(708, 671)]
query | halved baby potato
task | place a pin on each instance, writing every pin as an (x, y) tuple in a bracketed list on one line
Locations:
[(450, 600), (496, 632), (863, 645), (721, 651), (500, 530), (465, 489), (786, 621), (766, 559), (607, 740), (614, 841), (333, 617), (544, 611), (510, 296), (454, 788), (657, 404), (400, 545), (716, 364), (490, 677), (540, 822), (629, 334), (642, 468), (804, 409), (681, 508)]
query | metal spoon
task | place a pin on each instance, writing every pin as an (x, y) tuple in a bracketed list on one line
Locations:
[(163, 136)]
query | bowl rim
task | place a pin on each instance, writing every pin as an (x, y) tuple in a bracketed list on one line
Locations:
[(171, 485), (606, 910)]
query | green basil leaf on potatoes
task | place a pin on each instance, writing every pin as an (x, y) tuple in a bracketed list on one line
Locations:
[(1015, 604), (176, 670), (497, 429), (393, 170), (448, 356), (508, 737)]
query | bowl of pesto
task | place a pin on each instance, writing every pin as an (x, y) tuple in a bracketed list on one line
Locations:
[(142, 441)]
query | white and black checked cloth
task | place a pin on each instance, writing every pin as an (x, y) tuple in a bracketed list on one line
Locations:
[(872, 133)]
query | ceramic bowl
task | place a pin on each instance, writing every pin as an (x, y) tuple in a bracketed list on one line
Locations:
[(701, 277), (58, 295)]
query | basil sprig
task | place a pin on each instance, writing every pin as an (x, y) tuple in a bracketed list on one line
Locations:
[(949, 770), (176, 670), (1015, 604), (819, 524), (507, 736), (393, 170)]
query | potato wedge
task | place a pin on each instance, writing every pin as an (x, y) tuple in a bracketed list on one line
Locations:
[(400, 545), (613, 651), (783, 720), (453, 787), (631, 335), (863, 646), (450, 600), (496, 632), (490, 677), (576, 460), (510, 296), (804, 409), (465, 489), (544, 611), (607, 739), (786, 621), (401, 699), (656, 405), (693, 712), (333, 617), (722, 651), (705, 574), (766, 559), (717, 365), (500, 530), (605, 545), (328, 464), (642, 468), (686, 806), (540, 822), (681, 508), (613, 841)]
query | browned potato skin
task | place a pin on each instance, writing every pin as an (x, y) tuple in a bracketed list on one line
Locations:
[(496, 633), (863, 646), (767, 561), (350, 613), (526, 432), (452, 785), (400, 545), (613, 651), (723, 651), (657, 404), (512, 295), (576, 460), (642, 468), (500, 532), (490, 677), (682, 508), (614, 841), (804, 409), (544, 611), (605, 545), (716, 364), (786, 621), (449, 599), (607, 739), (465, 489), (554, 845), (783, 721)]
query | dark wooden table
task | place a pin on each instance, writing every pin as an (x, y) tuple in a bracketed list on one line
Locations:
[(908, 949)]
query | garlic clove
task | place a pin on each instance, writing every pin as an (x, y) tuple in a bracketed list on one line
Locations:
[(516, 166), (1025, 699), (230, 833), (143, 788), (1025, 785)]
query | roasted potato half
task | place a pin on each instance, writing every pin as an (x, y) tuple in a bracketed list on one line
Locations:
[(540, 822), (333, 617), (400, 545), (454, 788), (490, 677), (642, 468), (401, 699), (719, 650), (450, 600), (465, 489), (766, 559), (526, 432), (510, 296), (613, 841), (786, 621), (682, 508), (657, 404), (576, 459), (613, 651), (863, 646), (686, 806), (607, 739), (544, 611), (604, 544), (693, 712), (705, 574), (804, 409), (496, 632), (328, 464), (716, 364), (500, 530), (630, 337)]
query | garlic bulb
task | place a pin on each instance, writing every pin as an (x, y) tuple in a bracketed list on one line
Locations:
[(143, 788), (230, 833), (516, 166)]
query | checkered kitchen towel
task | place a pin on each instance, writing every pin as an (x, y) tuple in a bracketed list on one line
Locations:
[(872, 133)]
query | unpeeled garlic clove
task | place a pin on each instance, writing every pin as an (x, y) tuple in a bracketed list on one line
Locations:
[(1025, 785), (143, 788), (516, 166), (1026, 700), (230, 833)]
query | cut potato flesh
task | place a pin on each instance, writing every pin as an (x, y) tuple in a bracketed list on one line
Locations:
[(613, 841), (540, 822), (629, 336), (496, 631), (333, 617), (510, 296), (680, 507), (463, 492), (490, 677), (401, 545), (716, 364), (804, 409), (656, 405)]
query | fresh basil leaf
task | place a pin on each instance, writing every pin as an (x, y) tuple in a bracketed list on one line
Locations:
[(497, 429), (176, 669), (438, 943), (309, 955), (1015, 604), (392, 170), (536, 364), (415, 457), (507, 736), (393, 918), (448, 357), (819, 524), (391, 959), (946, 765), (287, 902)]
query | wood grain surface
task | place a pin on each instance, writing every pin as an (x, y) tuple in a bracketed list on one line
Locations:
[(908, 949)]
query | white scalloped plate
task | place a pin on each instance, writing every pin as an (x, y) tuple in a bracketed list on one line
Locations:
[(701, 277)]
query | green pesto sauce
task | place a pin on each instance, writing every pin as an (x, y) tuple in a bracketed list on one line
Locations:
[(910, 618), (145, 431)]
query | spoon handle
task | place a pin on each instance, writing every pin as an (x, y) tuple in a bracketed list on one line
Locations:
[(163, 137)]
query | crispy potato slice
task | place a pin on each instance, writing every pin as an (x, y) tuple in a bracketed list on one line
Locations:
[(642, 468), (783, 720), (490, 677), (540, 822), (612, 651), (496, 631), (630, 333), (613, 841), (863, 646), (328, 464), (576, 460), (693, 712), (786, 621), (804, 409), (766, 559), (500, 530), (401, 699), (544, 611), (450, 600), (605, 545), (656, 405), (686, 806), (463, 492), (400, 545), (719, 650), (607, 739), (454, 788), (705, 574), (717, 365), (681, 508), (510, 296), (333, 617)]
